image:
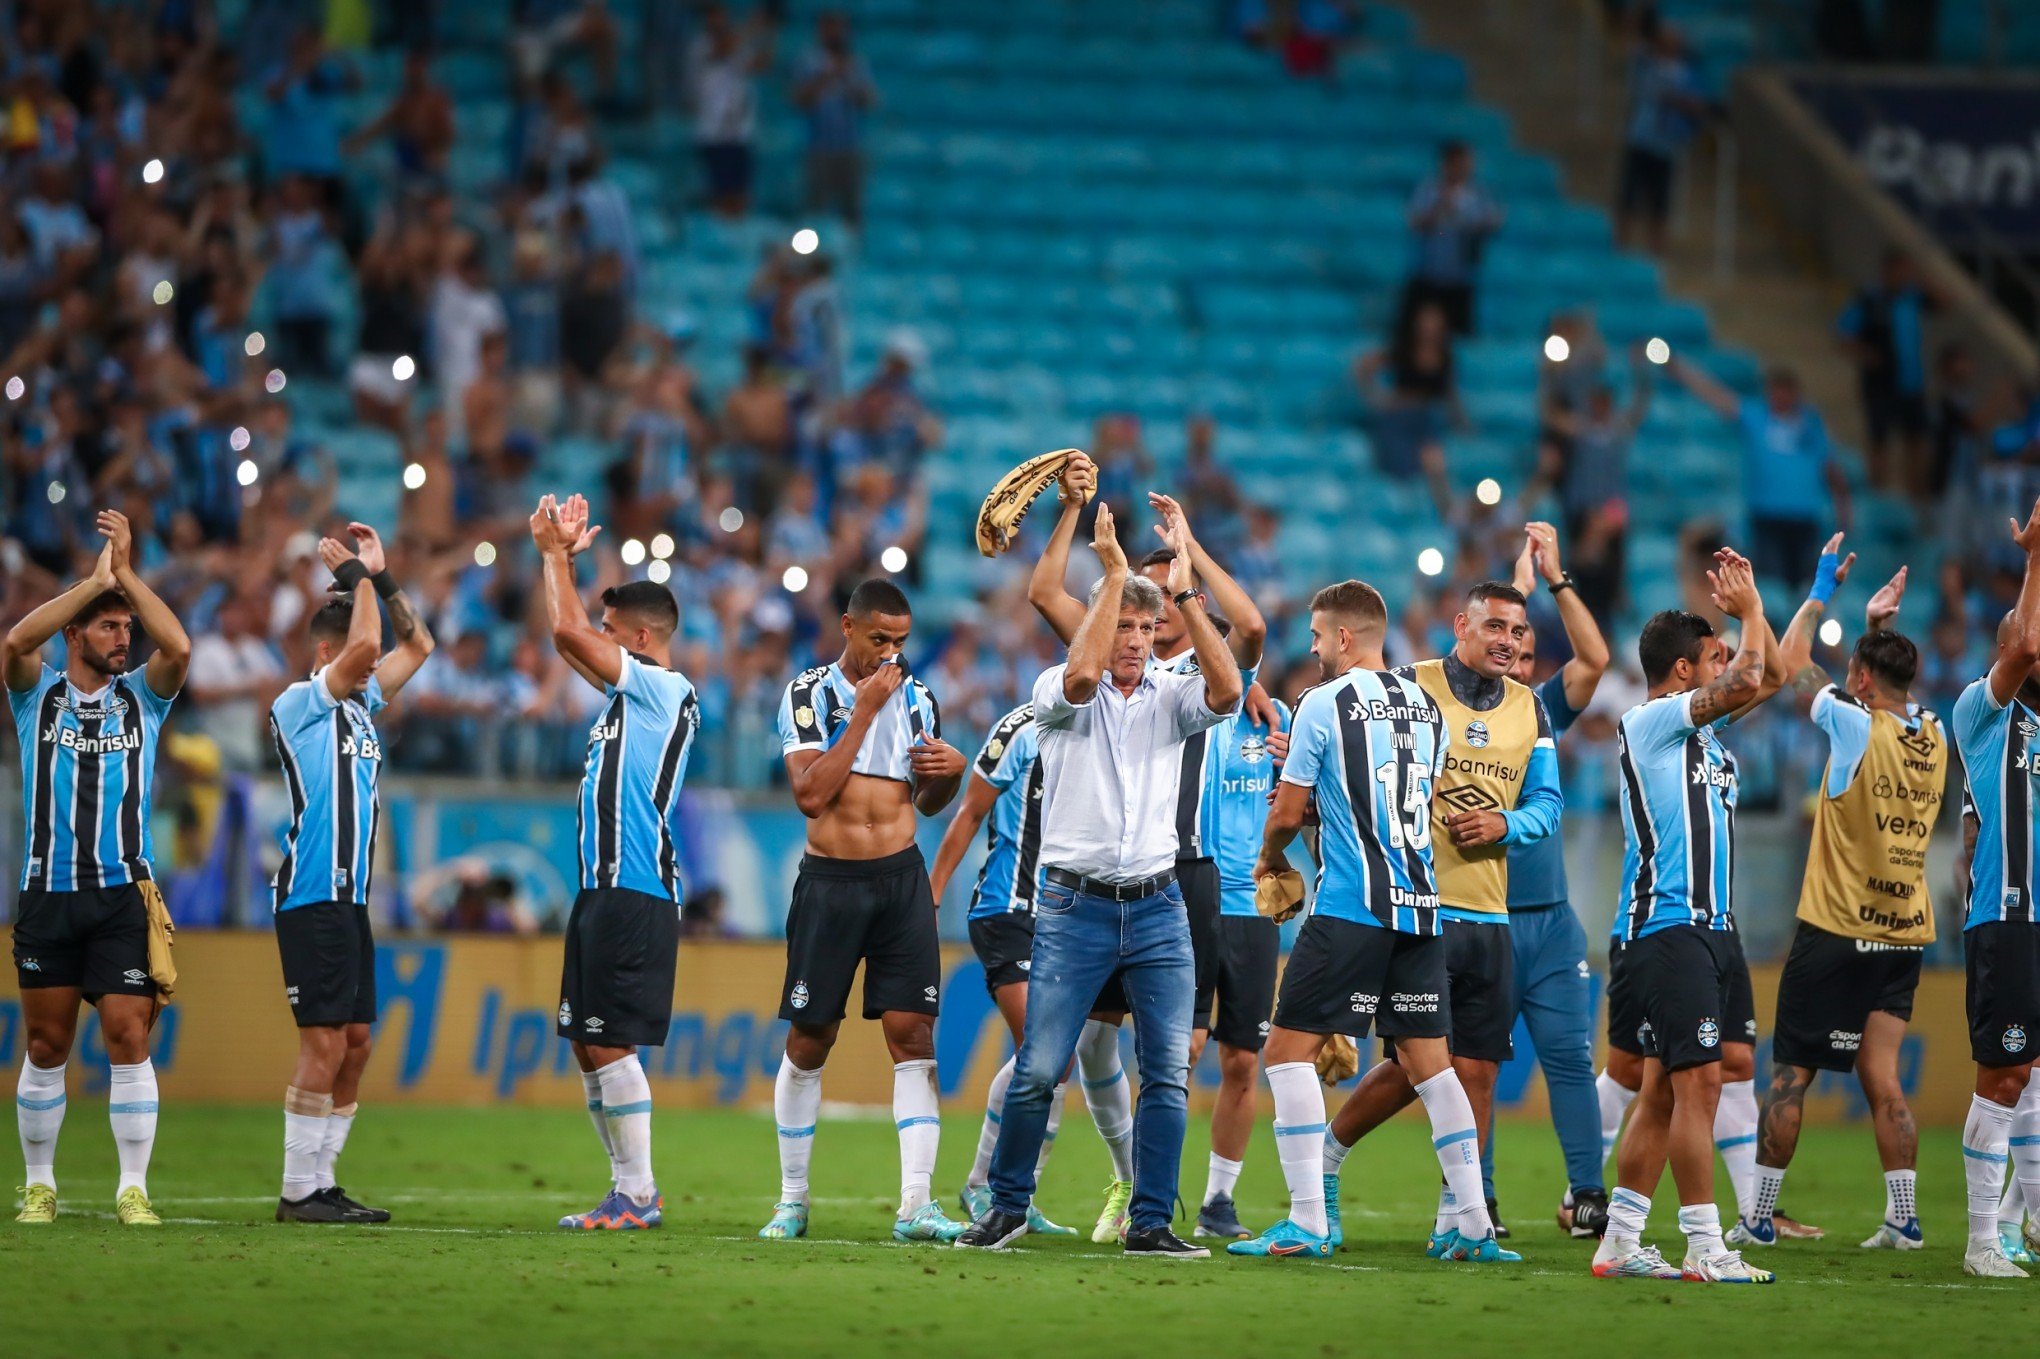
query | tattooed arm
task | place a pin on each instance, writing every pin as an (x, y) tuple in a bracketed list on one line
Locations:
[(1737, 687), (414, 639)]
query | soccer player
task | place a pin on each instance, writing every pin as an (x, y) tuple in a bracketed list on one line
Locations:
[(89, 903), (1198, 874), (324, 729), (1499, 788), (1864, 916), (1366, 749), (1677, 921), (1554, 987), (864, 753), (1996, 722), (623, 934), (1004, 786)]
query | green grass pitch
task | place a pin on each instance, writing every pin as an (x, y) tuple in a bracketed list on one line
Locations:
[(472, 1264)]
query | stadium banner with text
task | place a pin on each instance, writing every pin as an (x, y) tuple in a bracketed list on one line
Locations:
[(1960, 153), (470, 1021)]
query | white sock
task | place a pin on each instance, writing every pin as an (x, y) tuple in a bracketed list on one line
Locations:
[(1224, 1176), (1701, 1222), (1107, 1093), (39, 1101), (591, 1086), (1900, 1206), (2025, 1145), (919, 1120), (796, 1103), (988, 1133), (338, 1124), (1055, 1108), (1614, 1097), (1986, 1138), (131, 1102), (305, 1115), (1735, 1137), (2012, 1205), (1628, 1211), (1770, 1180), (1448, 1210), (1335, 1151), (1457, 1143), (627, 1105), (1299, 1141)]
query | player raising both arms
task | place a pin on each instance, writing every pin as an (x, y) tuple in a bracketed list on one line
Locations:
[(1864, 916), (865, 754), (623, 934), (324, 729), (1675, 915), (89, 909), (1997, 727)]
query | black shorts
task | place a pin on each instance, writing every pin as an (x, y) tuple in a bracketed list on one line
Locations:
[(328, 963), (1741, 1025), (1345, 977), (879, 912), (1004, 945), (2002, 958), (96, 940), (1625, 1018), (616, 982), (1682, 982), (1645, 185), (1197, 879), (1249, 956), (1830, 987), (1480, 966)]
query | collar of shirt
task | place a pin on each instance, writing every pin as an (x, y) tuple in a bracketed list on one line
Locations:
[(1111, 772)]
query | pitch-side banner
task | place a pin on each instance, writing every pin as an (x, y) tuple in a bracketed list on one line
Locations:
[(1958, 153), (470, 1021)]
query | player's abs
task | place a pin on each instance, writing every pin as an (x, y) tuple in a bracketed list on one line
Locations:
[(870, 818)]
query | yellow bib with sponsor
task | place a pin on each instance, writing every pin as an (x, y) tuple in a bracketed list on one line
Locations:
[(1484, 765), (1866, 869)]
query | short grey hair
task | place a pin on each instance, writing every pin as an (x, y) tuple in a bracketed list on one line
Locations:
[(1139, 594)]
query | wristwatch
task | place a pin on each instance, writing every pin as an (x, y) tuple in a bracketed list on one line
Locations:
[(1185, 598)]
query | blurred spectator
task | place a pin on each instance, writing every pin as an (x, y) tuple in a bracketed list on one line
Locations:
[(1412, 393), (547, 27), (462, 896), (724, 64), (1794, 486), (394, 281), (465, 309), (702, 916), (418, 122), (235, 675), (1957, 434), (1307, 34), (304, 135), (1451, 218), (1591, 470), (301, 278), (1666, 107), (887, 422), (758, 428), (835, 90), (1883, 330), (531, 311)]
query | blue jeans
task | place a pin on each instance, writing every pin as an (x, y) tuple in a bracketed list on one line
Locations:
[(1555, 997), (1080, 941)]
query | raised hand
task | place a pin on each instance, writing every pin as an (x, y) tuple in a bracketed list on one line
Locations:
[(1524, 577), (120, 539), (574, 519), (1079, 480), (102, 569), (546, 530), (1175, 525), (2029, 536), (334, 554), (1733, 585), (1884, 604), (1105, 541), (1544, 551), (876, 689), (368, 546)]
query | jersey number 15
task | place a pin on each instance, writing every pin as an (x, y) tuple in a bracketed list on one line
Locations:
[(1408, 795)]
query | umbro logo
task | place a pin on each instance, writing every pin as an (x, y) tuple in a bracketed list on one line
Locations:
[(930, 993), (1919, 743), (135, 976), (1467, 798), (592, 1024)]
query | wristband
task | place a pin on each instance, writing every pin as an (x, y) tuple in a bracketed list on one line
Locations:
[(385, 584), (1824, 582), (1186, 597), (1564, 582), (349, 574)]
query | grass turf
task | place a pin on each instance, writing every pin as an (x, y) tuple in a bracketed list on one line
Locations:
[(472, 1264)]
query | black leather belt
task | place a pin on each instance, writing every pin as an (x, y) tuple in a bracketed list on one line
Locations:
[(1112, 891)]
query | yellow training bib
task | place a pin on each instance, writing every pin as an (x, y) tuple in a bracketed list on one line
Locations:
[(1866, 869), (1484, 766)]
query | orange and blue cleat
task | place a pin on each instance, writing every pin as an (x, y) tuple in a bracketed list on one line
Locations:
[(618, 1213)]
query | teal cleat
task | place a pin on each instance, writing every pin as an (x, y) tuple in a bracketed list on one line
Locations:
[(789, 1222), (1037, 1224), (2013, 1245), (1442, 1244), (1285, 1239), (975, 1198), (928, 1223), (1336, 1232), (1486, 1251)]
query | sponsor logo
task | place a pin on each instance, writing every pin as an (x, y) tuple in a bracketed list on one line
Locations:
[(1750, 1029), (1414, 1002), (1262, 1028), (1250, 784), (1477, 734), (1716, 778), (1903, 825), (2028, 728), (2015, 1039), (566, 1014), (1585, 971), (1380, 710), (1483, 769), (604, 731), (841, 715), (1363, 1004), (1920, 744), (67, 739), (1709, 1033), (1883, 787), (361, 747), (929, 992), (592, 1024), (799, 997), (135, 976), (1416, 901), (1253, 750), (1843, 1041), (1467, 798), (1877, 946), (290, 993), (1893, 888)]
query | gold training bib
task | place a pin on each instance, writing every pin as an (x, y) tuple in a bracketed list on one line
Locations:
[(1484, 766)]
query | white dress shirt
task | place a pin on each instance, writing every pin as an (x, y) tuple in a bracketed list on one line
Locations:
[(1110, 771)]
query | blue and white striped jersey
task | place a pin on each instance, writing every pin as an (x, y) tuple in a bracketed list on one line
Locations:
[(1678, 818), (1196, 808), (815, 713), (1371, 745), (88, 763), (1010, 763), (332, 759), (1998, 770), (630, 790), (1239, 771)]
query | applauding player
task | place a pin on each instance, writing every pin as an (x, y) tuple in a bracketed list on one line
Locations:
[(325, 735)]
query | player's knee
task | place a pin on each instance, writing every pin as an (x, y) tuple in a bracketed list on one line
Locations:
[(1236, 1065), (360, 1040), (911, 1038), (126, 1038), (809, 1048), (322, 1046), (2002, 1084), (1738, 1062), (49, 1047)]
